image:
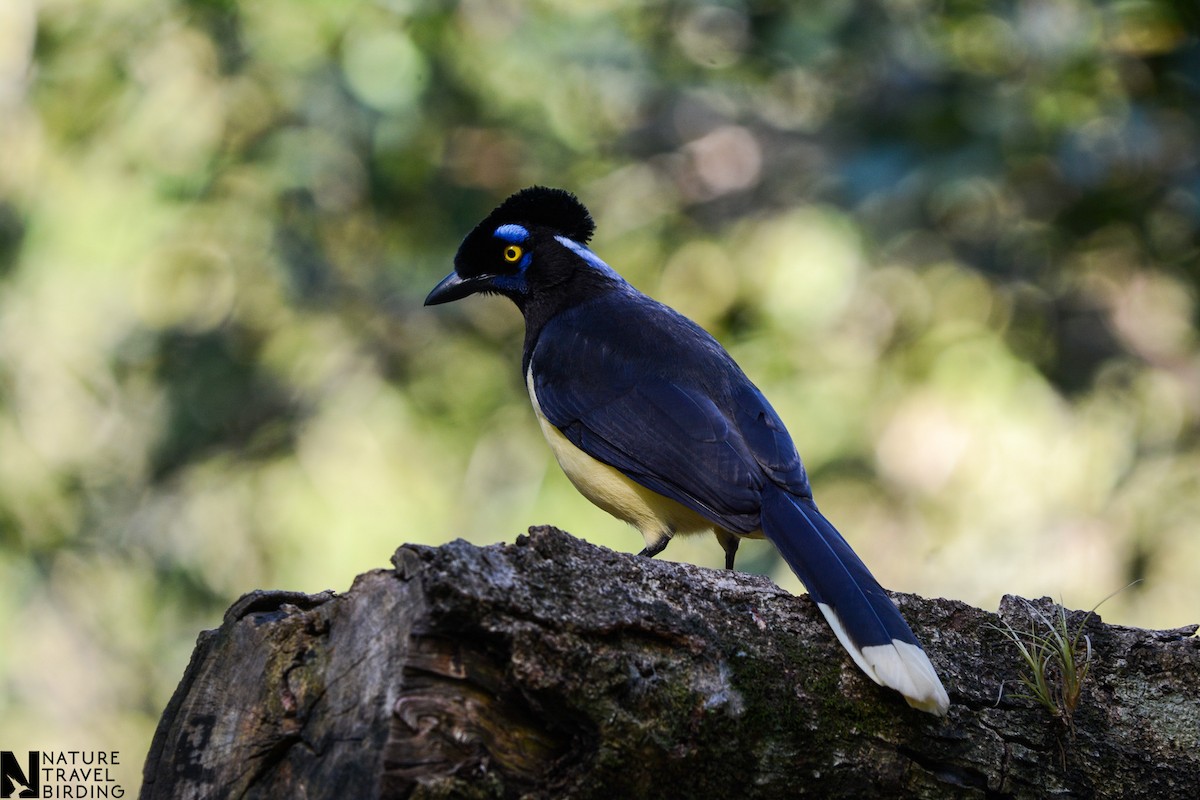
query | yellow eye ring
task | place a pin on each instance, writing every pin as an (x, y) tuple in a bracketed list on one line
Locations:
[(512, 254)]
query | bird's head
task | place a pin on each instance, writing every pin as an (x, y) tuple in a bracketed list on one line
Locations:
[(533, 241)]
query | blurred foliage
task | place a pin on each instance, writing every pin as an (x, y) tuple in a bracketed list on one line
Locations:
[(956, 243)]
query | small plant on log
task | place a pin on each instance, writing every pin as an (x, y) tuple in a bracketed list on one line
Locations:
[(1057, 659)]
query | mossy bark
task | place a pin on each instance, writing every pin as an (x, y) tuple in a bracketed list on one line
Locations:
[(551, 668)]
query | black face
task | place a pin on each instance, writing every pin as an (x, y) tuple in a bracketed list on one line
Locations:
[(498, 254)]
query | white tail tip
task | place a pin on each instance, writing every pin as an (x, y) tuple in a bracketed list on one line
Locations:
[(899, 665)]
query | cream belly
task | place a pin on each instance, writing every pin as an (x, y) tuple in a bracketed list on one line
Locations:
[(656, 517)]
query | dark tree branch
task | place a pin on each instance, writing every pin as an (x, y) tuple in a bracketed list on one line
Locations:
[(552, 668)]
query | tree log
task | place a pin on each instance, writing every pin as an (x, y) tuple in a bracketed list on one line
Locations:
[(551, 668)]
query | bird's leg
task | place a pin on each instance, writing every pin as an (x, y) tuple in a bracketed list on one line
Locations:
[(729, 543), (660, 544), (731, 552)]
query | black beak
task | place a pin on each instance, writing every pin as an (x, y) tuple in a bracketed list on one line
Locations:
[(453, 287)]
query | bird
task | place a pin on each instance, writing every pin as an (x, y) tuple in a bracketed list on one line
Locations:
[(654, 422)]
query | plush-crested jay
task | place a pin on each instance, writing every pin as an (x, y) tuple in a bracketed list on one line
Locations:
[(653, 421)]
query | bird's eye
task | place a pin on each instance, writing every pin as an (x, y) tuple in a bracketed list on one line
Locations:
[(512, 254)]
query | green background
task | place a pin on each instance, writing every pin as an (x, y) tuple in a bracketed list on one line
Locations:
[(956, 243)]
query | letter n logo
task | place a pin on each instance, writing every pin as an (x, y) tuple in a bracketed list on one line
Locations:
[(12, 776)]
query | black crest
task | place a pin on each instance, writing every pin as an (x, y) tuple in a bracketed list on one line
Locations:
[(551, 208)]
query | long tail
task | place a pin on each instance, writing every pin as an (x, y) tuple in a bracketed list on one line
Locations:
[(862, 616)]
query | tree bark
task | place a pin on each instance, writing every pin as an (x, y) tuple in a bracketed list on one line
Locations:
[(551, 668)]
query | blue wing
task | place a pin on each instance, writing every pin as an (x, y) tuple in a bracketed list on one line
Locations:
[(641, 388)]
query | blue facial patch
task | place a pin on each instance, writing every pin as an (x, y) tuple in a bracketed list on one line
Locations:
[(512, 233), (591, 258), (511, 283)]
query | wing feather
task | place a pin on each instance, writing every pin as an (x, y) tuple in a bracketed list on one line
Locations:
[(658, 399)]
